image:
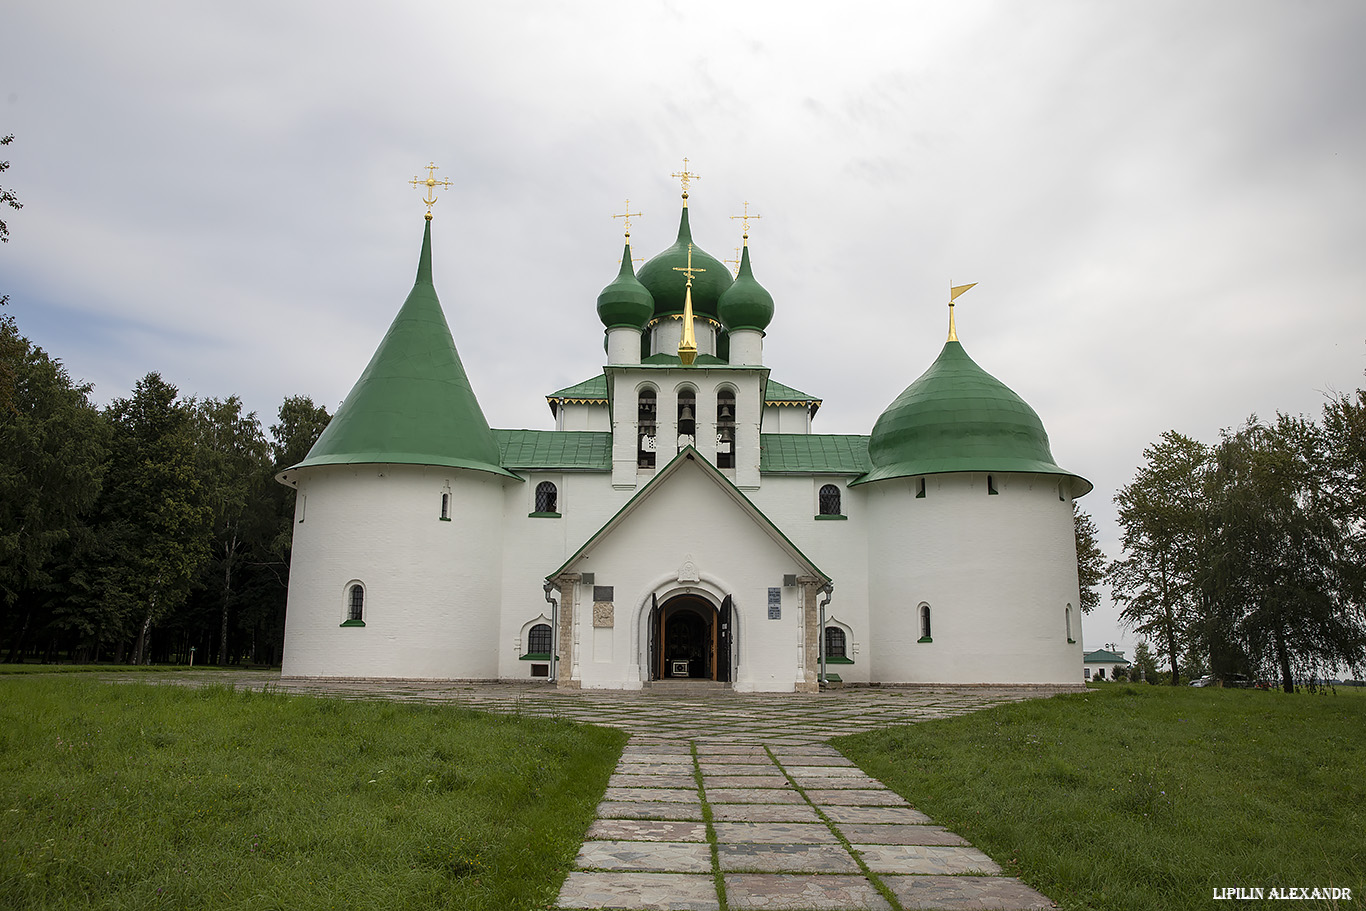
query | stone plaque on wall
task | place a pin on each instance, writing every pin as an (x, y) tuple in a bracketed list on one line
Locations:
[(602, 614)]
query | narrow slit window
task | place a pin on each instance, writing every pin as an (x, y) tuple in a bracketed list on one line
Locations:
[(355, 605), (925, 632), (446, 507), (920, 489), (991, 486)]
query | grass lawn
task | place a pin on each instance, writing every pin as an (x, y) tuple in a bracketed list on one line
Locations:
[(137, 796), (116, 668), (1142, 797)]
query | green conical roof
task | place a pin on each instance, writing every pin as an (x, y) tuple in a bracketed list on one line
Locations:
[(625, 302), (958, 417), (667, 286), (746, 304), (413, 404)]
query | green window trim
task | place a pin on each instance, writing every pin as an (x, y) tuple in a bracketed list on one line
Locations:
[(353, 623), (833, 678), (832, 659), (535, 656), (443, 518), (543, 515), (830, 518), (924, 639)]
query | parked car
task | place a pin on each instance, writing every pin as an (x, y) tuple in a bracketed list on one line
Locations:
[(1203, 681)]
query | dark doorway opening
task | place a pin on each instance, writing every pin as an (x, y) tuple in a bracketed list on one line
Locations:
[(691, 639)]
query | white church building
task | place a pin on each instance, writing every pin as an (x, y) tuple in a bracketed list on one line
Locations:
[(682, 520)]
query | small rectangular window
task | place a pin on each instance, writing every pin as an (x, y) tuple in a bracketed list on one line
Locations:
[(540, 670)]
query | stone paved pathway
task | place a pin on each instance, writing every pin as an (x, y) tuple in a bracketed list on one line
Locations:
[(736, 799)]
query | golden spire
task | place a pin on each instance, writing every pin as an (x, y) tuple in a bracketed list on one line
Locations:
[(628, 215), (745, 224), (431, 183), (736, 261), (955, 291), (687, 348), (685, 177)]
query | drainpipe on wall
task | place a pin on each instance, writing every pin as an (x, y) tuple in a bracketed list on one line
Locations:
[(554, 630), (829, 591)]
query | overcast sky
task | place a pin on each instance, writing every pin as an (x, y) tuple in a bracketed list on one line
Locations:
[(1164, 203)]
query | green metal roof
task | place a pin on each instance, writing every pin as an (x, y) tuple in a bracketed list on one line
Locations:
[(778, 394), (671, 360), (813, 453), (413, 404), (958, 417), (1103, 656), (569, 450), (593, 389)]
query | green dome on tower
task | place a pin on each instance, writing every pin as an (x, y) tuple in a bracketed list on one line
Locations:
[(958, 417), (667, 286), (625, 302), (746, 304), (413, 404)]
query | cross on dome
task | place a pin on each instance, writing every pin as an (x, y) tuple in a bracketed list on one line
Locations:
[(685, 176), (745, 223), (431, 183), (628, 215)]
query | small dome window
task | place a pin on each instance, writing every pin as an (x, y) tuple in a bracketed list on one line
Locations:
[(830, 500)]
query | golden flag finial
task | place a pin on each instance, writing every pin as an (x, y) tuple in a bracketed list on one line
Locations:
[(745, 224), (431, 183), (685, 176), (687, 347), (955, 291), (628, 215)]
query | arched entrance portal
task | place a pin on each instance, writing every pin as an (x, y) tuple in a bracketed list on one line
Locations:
[(690, 638)]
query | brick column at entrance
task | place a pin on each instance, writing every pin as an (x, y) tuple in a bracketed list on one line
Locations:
[(811, 619), (567, 678)]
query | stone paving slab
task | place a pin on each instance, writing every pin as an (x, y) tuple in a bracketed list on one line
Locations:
[(648, 809), (786, 892), (753, 795), (926, 859), (645, 856), (865, 783), (666, 795), (827, 771), (956, 893), (745, 781), (662, 780), (769, 832), (640, 891), (751, 812), (786, 859), (712, 767), (855, 797), (867, 834), (875, 815), (647, 830)]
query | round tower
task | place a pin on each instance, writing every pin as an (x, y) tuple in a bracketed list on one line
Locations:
[(972, 559), (397, 557)]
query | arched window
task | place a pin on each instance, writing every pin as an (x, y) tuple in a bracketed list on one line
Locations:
[(1069, 624), (538, 639), (645, 433), (925, 623), (725, 428), (547, 498), (830, 500), (445, 507), (355, 605), (834, 642)]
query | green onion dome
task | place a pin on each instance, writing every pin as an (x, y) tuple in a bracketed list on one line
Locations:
[(667, 286), (745, 304), (625, 302), (957, 417)]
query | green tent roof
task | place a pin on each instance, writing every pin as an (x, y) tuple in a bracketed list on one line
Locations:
[(775, 393), (413, 404), (958, 417), (593, 389)]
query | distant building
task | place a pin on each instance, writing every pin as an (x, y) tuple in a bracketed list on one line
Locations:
[(1101, 664), (681, 520)]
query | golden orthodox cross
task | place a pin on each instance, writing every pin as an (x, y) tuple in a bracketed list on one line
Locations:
[(628, 215), (736, 261), (690, 269), (685, 177), (431, 183), (745, 223)]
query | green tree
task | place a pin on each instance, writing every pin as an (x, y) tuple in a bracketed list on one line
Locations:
[(1090, 561), (1163, 514), (234, 469), (10, 348), (1145, 662), (155, 522), (1284, 545), (53, 447)]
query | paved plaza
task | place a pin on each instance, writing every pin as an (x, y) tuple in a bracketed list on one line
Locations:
[(729, 800)]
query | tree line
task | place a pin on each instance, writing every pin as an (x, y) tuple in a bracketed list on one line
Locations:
[(145, 529), (1247, 556)]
